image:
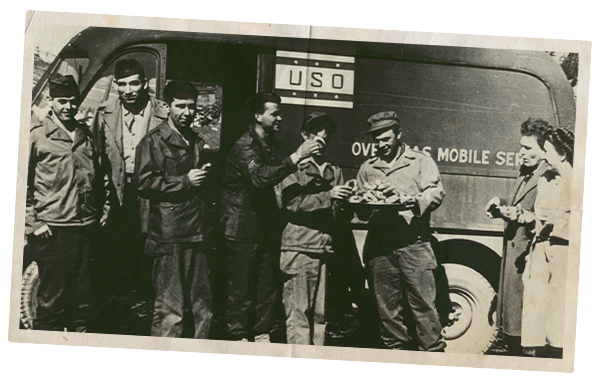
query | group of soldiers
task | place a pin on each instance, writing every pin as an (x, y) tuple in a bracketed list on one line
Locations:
[(138, 176)]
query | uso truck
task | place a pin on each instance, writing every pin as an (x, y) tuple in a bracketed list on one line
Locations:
[(462, 106)]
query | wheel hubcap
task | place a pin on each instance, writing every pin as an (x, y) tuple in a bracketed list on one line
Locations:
[(460, 318)]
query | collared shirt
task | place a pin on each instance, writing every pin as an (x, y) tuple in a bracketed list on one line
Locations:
[(59, 123), (321, 167), (415, 174), (134, 126)]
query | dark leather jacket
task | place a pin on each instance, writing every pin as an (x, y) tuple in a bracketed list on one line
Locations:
[(163, 160), (248, 205)]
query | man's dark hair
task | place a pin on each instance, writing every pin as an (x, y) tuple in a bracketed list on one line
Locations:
[(563, 141), (256, 103), (536, 127), (129, 67), (180, 89)]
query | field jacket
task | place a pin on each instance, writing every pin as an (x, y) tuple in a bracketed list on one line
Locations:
[(249, 205), (162, 162), (309, 209), (65, 186)]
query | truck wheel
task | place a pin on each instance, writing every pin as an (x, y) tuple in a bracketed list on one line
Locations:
[(469, 330), (29, 287)]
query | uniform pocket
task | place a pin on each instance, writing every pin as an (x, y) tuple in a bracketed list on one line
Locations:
[(418, 255), (181, 219)]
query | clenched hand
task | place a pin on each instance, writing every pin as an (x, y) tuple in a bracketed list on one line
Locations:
[(197, 176)]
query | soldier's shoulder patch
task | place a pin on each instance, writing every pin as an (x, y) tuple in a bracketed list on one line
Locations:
[(253, 165)]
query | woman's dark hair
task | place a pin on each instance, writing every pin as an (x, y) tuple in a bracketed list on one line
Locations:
[(536, 127), (563, 141)]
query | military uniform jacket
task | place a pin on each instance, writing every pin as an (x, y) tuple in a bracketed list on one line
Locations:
[(309, 209), (414, 173), (107, 127), (249, 205), (162, 161), (65, 186), (517, 244)]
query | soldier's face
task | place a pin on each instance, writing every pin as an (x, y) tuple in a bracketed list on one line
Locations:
[(387, 142), (181, 112), (271, 118), (531, 153), (65, 108), (131, 89), (322, 135)]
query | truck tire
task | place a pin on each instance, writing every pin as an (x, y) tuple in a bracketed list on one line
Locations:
[(29, 287), (470, 329)]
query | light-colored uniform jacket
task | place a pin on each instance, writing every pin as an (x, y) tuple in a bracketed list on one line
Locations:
[(414, 173), (107, 127)]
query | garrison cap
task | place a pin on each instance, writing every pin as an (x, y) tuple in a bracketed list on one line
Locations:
[(315, 118), (128, 67), (63, 86), (383, 120)]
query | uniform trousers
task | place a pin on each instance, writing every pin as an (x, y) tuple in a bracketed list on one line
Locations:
[(405, 291), (304, 296), (64, 295), (128, 267), (182, 289), (251, 304)]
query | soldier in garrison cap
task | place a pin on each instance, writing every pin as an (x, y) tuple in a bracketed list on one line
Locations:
[(250, 216), (66, 202), (397, 250), (118, 125), (307, 244)]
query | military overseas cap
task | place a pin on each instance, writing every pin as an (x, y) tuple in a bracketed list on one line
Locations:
[(63, 86), (129, 67), (383, 120), (318, 118)]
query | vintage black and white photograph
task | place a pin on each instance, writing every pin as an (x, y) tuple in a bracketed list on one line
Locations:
[(273, 188)]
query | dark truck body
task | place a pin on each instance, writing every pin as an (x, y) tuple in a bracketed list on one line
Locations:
[(464, 106)]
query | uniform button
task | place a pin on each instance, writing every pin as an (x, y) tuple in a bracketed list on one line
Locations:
[(121, 170), (118, 184), (172, 208)]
